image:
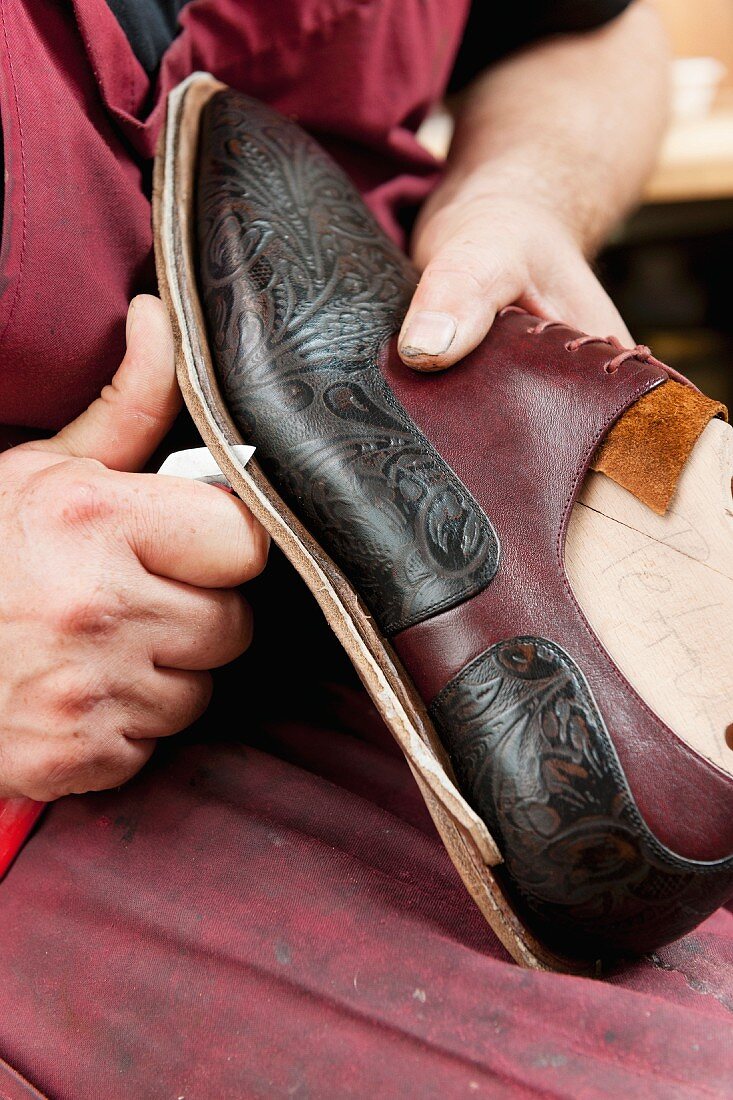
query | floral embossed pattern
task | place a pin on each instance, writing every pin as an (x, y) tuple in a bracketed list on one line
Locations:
[(301, 289), (534, 758)]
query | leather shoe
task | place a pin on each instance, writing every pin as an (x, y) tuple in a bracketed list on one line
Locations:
[(428, 515)]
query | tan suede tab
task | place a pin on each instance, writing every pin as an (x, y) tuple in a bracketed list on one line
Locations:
[(646, 450)]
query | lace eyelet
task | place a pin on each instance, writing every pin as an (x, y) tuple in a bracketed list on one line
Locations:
[(569, 346), (609, 368)]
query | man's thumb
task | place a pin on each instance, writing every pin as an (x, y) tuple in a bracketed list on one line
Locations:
[(134, 412)]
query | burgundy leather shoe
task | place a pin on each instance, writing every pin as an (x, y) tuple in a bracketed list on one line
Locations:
[(428, 515)]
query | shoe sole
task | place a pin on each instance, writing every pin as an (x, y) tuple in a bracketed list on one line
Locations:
[(466, 838)]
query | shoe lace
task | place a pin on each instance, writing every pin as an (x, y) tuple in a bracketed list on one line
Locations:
[(640, 352)]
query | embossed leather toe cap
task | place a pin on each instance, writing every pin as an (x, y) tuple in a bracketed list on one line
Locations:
[(535, 759)]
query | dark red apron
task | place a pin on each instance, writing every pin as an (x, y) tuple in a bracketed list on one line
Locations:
[(81, 118)]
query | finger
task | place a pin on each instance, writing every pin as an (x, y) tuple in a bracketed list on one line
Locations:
[(174, 699), (461, 290), (134, 412), (190, 531), (47, 772), (580, 301), (102, 772), (158, 703), (197, 628)]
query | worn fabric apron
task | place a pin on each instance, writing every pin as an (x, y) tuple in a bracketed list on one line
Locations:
[(267, 911)]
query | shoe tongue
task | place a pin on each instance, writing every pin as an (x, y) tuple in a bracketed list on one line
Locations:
[(647, 448)]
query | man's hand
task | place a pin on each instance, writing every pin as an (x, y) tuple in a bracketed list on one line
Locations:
[(479, 254), (551, 147), (119, 589)]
